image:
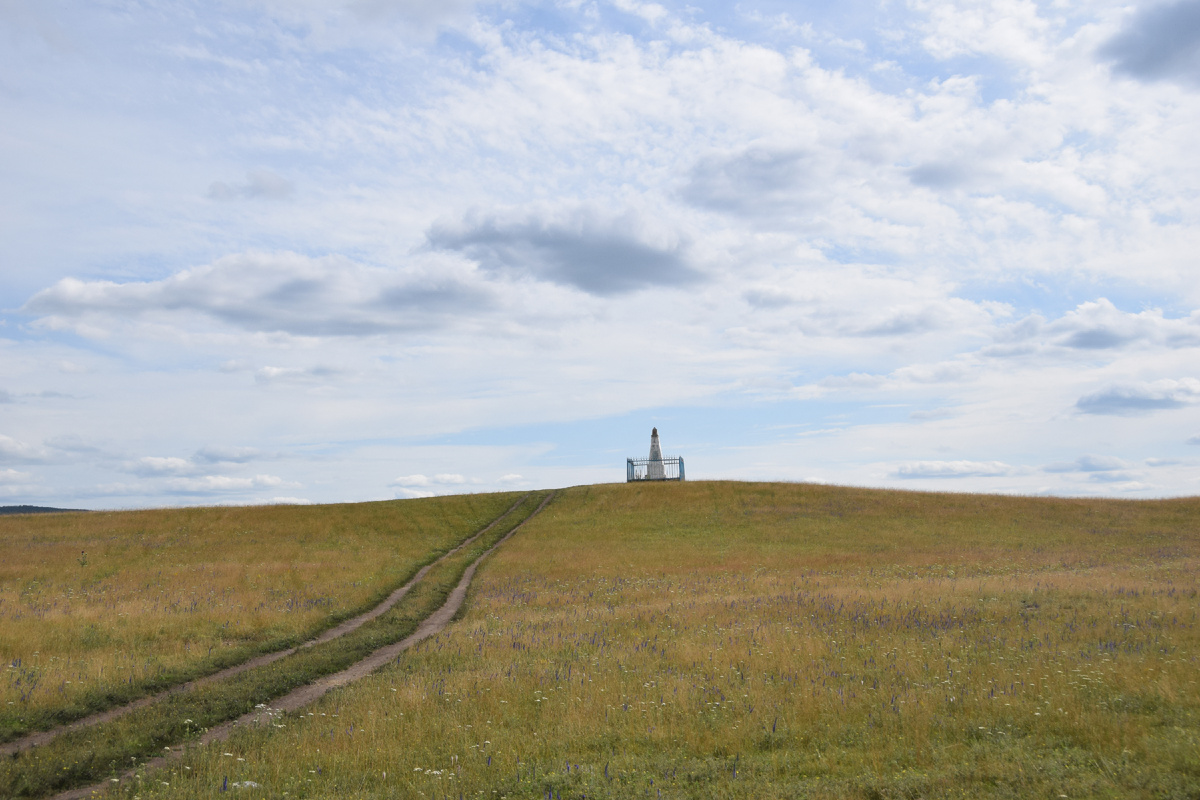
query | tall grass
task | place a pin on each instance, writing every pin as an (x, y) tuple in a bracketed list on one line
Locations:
[(751, 640), (99, 608)]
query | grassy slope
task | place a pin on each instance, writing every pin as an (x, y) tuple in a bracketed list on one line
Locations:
[(88, 755), (758, 640), (100, 608)]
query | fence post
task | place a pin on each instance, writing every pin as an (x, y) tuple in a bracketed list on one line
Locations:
[(681, 468)]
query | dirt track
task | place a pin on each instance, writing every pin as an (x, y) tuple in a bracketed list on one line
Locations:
[(304, 695), (354, 623)]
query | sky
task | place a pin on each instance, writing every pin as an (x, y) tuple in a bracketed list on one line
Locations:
[(274, 251)]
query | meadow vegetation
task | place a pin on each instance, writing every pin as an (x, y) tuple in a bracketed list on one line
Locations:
[(100, 608), (765, 640), (89, 754)]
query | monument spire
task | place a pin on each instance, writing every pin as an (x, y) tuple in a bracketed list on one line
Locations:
[(654, 470)]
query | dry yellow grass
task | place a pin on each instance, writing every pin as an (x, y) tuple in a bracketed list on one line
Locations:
[(99, 606), (756, 640)]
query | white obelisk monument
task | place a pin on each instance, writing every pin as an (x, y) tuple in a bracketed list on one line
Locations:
[(654, 470)]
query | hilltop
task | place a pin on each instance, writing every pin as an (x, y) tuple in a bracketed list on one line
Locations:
[(35, 510)]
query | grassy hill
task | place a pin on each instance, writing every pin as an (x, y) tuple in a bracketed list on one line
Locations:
[(718, 639), (102, 607)]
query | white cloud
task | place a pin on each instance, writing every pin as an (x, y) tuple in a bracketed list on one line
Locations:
[(650, 12), (1010, 29), (1097, 326), (158, 465), (13, 451), (953, 469), (932, 414), (441, 479), (1102, 463), (412, 480), (1090, 463), (260, 183), (1141, 397), (410, 493), (338, 23), (215, 484), (12, 476), (268, 375), (215, 454), (202, 461), (270, 292)]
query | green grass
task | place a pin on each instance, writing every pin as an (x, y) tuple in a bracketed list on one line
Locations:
[(84, 756), (98, 609), (764, 640)]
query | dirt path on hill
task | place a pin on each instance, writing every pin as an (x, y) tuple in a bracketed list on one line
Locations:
[(354, 623), (298, 698)]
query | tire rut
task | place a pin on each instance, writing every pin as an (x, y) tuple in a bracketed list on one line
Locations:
[(310, 693), (40, 738)]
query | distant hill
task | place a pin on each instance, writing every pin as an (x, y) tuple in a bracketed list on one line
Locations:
[(35, 510)]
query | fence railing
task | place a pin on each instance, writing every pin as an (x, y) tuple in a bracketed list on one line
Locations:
[(644, 469)]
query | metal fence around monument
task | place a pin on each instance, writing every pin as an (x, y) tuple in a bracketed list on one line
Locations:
[(638, 469)]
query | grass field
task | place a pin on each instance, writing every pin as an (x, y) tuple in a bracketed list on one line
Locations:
[(89, 754), (100, 608), (758, 640)]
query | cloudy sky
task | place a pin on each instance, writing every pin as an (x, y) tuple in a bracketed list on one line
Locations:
[(326, 250)]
